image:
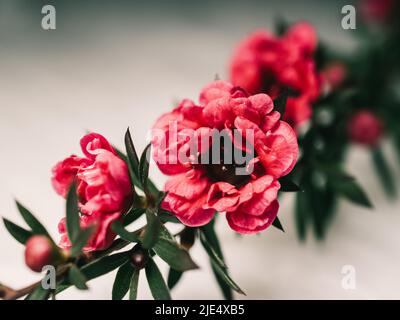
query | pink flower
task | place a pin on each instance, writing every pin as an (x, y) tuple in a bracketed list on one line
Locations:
[(245, 191), (376, 10), (333, 76), (263, 63), (365, 128), (103, 187)]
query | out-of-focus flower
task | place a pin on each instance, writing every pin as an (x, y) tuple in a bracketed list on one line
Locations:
[(246, 191), (41, 251), (333, 76), (103, 186), (376, 10), (365, 128), (264, 63)]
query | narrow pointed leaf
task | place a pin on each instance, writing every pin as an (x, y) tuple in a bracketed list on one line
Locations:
[(73, 219), (384, 172), (225, 288), (226, 278), (288, 186), (352, 191), (119, 229), (131, 152), (281, 100), (39, 294), (99, 268), (302, 209), (177, 257), (212, 238), (166, 216), (81, 240), (32, 222), (133, 287), (152, 231), (133, 215), (77, 278), (211, 251), (277, 224), (105, 265), (173, 278), (144, 166), (122, 281), (157, 285), (19, 234)]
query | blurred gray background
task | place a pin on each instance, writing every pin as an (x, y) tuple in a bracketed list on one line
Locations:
[(114, 64)]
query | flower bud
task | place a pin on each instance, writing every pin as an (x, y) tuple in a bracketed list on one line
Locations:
[(39, 252), (365, 128), (333, 76), (188, 237), (139, 257)]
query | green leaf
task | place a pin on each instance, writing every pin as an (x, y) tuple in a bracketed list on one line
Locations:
[(281, 100), (32, 222), (105, 265), (133, 288), (212, 238), (225, 289), (77, 278), (122, 281), (280, 26), (99, 268), (157, 285), (166, 216), (277, 224), (288, 186), (131, 152), (302, 212), (133, 215), (173, 278), (352, 191), (19, 234), (173, 254), (211, 251), (226, 278), (144, 166), (384, 172), (188, 237), (81, 240), (73, 218), (39, 294), (152, 231), (119, 229)]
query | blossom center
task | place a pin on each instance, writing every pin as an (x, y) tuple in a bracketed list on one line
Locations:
[(227, 169)]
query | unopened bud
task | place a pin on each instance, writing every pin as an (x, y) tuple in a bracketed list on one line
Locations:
[(188, 236), (139, 257), (39, 252)]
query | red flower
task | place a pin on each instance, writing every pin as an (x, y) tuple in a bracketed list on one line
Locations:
[(365, 128), (376, 10), (184, 146), (333, 76), (103, 187), (265, 63)]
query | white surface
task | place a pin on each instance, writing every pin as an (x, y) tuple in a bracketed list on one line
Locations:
[(120, 72)]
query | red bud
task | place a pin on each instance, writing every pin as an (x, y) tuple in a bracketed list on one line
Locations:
[(39, 251)]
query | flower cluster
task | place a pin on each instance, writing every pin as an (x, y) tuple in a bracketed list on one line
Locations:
[(265, 63), (229, 154), (196, 190), (103, 186)]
